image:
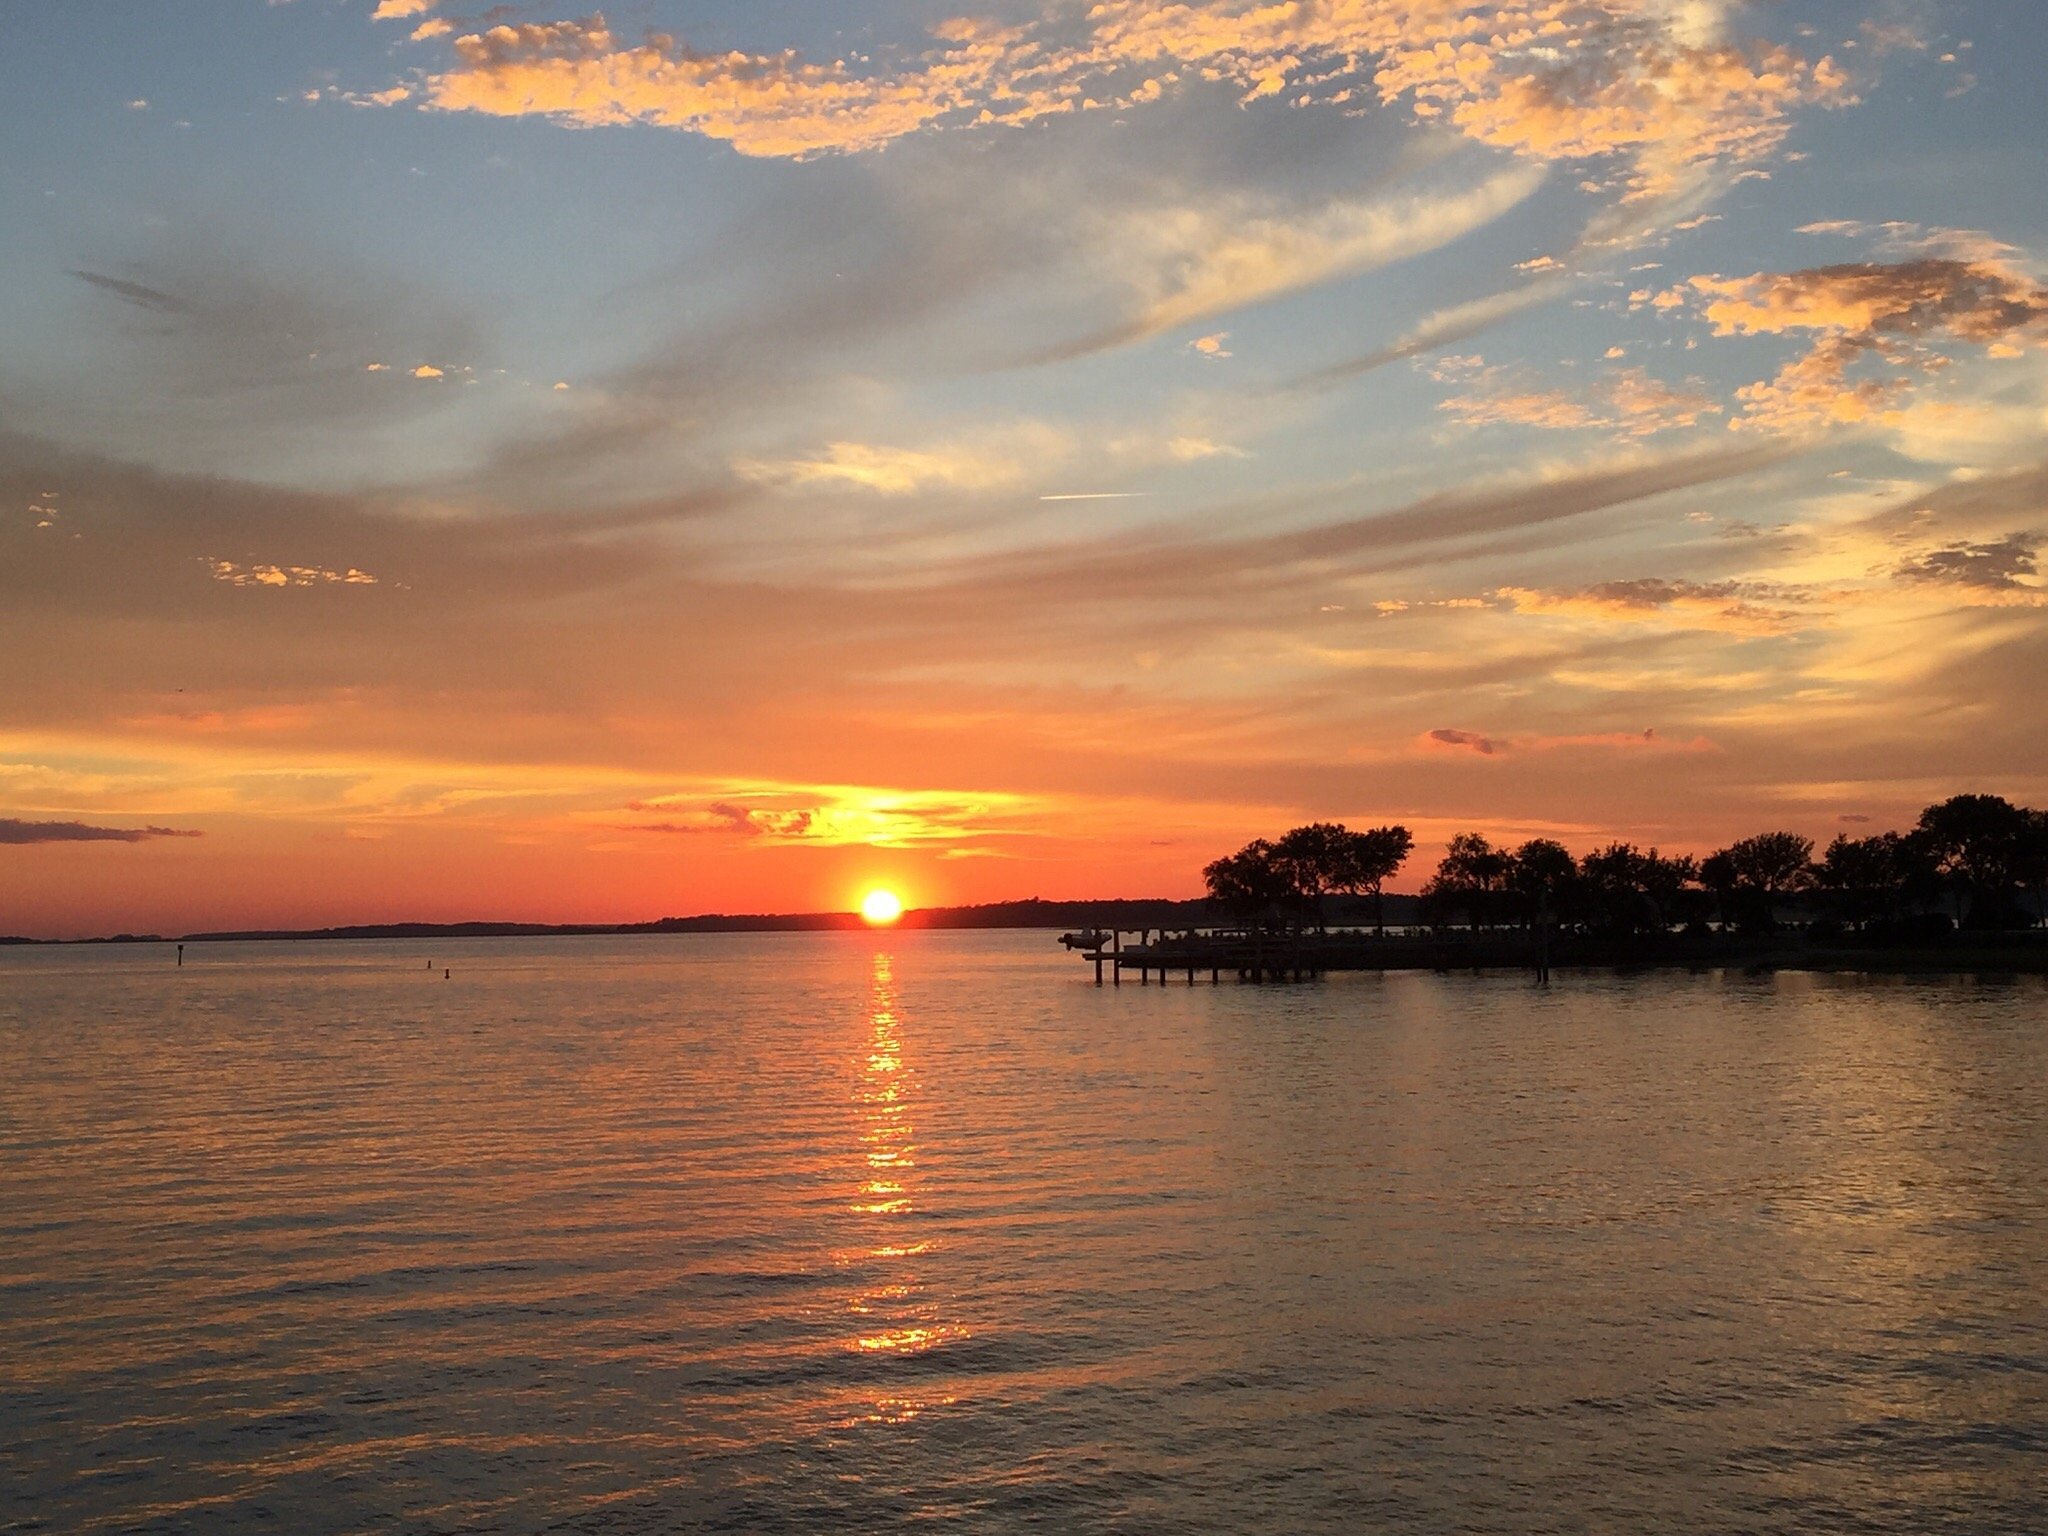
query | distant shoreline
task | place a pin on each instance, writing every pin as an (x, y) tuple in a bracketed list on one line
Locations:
[(2021, 952), (1127, 912)]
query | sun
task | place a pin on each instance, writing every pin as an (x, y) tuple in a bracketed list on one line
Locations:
[(880, 906)]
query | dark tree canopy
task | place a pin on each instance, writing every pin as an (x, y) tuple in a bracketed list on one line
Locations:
[(1250, 881), (1981, 850), (1306, 864)]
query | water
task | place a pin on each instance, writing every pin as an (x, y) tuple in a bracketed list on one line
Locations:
[(795, 1233)]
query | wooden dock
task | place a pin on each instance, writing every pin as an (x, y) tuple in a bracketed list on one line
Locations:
[(1254, 956), (1188, 956)]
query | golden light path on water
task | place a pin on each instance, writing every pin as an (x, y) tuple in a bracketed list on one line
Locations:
[(898, 1315)]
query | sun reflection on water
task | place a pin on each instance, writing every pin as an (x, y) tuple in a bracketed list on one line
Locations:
[(896, 1311)]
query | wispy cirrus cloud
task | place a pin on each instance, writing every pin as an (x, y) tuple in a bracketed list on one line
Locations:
[(1628, 401), (841, 815), (1495, 746), (1728, 607), (1196, 261)]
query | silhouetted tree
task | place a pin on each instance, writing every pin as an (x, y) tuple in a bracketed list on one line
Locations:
[(1315, 859), (1766, 867), (1717, 875), (2031, 861), (1251, 882), (1543, 876), (1304, 865), (1875, 877), (1978, 841), (1633, 891), (1372, 858), (1471, 878)]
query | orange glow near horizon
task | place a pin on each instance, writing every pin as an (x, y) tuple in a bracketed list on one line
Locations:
[(881, 907)]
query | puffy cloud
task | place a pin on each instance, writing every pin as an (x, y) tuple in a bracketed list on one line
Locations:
[(1876, 328), (772, 105), (15, 832), (2002, 564), (238, 575), (1979, 301), (1672, 110), (1650, 82), (398, 10), (1646, 80), (1211, 345)]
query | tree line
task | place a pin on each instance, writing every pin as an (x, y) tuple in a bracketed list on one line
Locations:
[(1978, 860), (1293, 874)]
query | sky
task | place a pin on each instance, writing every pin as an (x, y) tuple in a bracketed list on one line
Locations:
[(531, 463)]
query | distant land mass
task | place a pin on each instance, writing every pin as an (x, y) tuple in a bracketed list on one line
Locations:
[(1033, 912)]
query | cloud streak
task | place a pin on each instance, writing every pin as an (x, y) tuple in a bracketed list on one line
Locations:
[(14, 832)]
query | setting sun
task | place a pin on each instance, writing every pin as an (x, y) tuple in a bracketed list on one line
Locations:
[(880, 906)]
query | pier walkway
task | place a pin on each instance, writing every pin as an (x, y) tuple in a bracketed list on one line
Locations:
[(1256, 956)]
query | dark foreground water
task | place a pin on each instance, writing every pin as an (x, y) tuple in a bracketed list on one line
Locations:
[(810, 1233)]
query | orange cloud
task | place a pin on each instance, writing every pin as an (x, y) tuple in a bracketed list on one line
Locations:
[(1893, 313), (1673, 110), (578, 72), (1641, 80), (237, 575), (841, 815), (1626, 400), (1979, 301)]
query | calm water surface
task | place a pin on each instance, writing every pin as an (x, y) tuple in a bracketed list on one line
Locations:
[(793, 1233)]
